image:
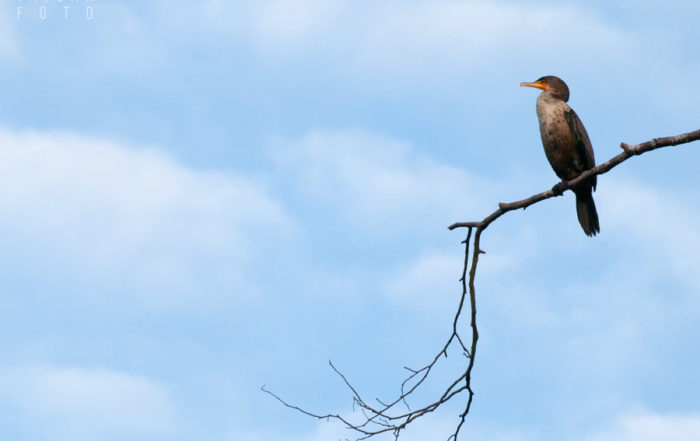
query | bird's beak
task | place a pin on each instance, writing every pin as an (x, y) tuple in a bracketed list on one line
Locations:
[(542, 86)]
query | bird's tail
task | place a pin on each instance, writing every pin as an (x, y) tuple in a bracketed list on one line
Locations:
[(587, 214)]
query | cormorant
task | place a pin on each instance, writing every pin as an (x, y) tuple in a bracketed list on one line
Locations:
[(567, 146)]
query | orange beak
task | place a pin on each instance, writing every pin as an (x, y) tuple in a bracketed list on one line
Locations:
[(537, 85)]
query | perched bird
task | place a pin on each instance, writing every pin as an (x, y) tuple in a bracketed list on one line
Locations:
[(567, 146)]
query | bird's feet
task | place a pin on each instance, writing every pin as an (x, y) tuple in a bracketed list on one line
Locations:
[(560, 188)]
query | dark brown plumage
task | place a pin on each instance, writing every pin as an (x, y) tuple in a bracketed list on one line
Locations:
[(567, 146)]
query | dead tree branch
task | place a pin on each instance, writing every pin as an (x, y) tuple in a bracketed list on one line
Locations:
[(388, 417), (628, 152)]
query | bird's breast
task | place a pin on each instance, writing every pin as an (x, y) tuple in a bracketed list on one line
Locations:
[(557, 139)]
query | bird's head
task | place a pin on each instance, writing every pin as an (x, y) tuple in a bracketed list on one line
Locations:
[(552, 85)]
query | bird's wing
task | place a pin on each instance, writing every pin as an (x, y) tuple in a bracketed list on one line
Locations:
[(583, 144)]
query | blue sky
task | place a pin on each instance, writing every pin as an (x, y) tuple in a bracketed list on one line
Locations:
[(201, 197)]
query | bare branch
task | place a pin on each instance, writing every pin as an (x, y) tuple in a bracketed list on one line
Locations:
[(629, 151), (386, 417)]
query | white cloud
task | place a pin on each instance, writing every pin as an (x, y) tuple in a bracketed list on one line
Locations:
[(279, 22), (446, 46), (430, 427), (322, 431), (386, 45), (284, 24), (391, 45), (431, 280), (651, 427), (376, 181), (428, 284), (639, 426), (658, 224), (91, 211), (121, 39), (79, 403), (406, 39)]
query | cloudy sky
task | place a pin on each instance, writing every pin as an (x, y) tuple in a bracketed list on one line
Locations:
[(201, 197)]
